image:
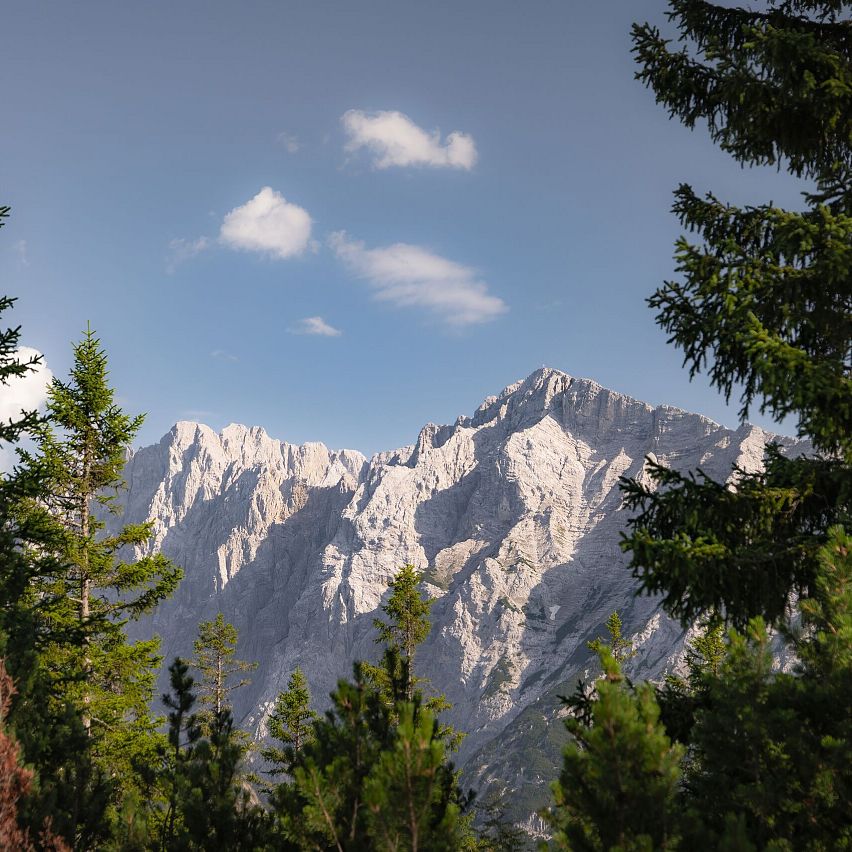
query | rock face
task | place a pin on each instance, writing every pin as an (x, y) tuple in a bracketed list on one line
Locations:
[(514, 514)]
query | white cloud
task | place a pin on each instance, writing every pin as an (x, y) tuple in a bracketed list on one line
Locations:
[(22, 393), (395, 140), (182, 250), (223, 355), (315, 325), (27, 392), (21, 248), (289, 141), (410, 276), (269, 224), (197, 415)]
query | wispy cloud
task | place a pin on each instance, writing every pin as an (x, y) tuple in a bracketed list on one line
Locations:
[(268, 224), (410, 276), (290, 142), (197, 415), (222, 355), (21, 248), (181, 250), (315, 326), (395, 140)]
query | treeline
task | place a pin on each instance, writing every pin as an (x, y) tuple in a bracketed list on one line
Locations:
[(734, 753)]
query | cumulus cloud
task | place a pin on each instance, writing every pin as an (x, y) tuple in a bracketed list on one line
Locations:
[(410, 276), (27, 392), (22, 393), (182, 250), (268, 224), (316, 326), (395, 140)]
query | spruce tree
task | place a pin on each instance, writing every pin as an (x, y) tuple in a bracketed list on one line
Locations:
[(183, 733), (771, 752), (80, 449), (763, 306), (290, 724)]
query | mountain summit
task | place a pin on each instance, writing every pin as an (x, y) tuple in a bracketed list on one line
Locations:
[(513, 513)]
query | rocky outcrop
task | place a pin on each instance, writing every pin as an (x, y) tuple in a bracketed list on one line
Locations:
[(514, 514)]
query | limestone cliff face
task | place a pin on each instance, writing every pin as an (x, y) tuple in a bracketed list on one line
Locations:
[(514, 514)]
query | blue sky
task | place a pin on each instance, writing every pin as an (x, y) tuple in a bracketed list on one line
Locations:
[(342, 220)]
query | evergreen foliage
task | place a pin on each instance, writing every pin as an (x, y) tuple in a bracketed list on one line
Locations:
[(681, 697), (619, 781), (734, 755), (290, 724), (16, 786), (215, 648), (66, 791), (763, 305), (772, 751), (620, 649), (375, 772), (411, 792), (87, 684), (495, 832), (209, 806), (407, 627)]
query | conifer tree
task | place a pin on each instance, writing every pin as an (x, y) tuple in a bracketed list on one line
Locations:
[(764, 306), (375, 774), (32, 565), (216, 811), (184, 732), (496, 833), (621, 649), (323, 807), (411, 792), (215, 649), (290, 724), (16, 783), (80, 452), (407, 627), (208, 805), (785, 776), (680, 698), (618, 786)]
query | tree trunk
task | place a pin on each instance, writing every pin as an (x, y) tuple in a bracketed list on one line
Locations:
[(218, 685), (85, 588)]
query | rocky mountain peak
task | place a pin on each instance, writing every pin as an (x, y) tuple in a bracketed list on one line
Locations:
[(512, 513)]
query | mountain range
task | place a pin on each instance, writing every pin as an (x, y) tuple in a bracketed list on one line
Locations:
[(514, 515)]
